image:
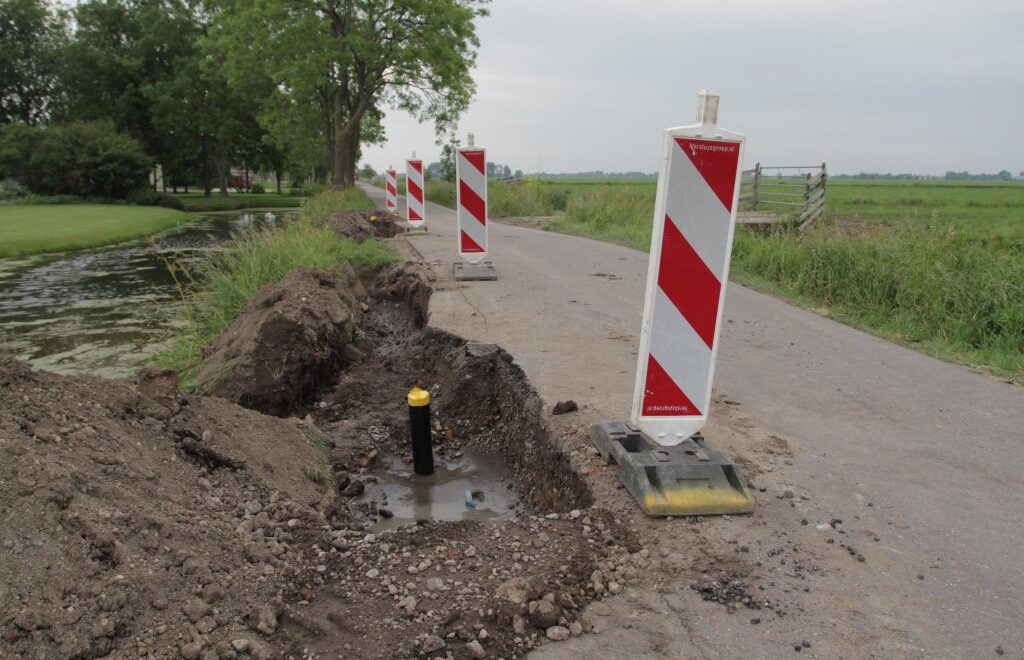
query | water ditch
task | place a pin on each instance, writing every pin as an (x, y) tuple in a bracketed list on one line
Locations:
[(104, 311)]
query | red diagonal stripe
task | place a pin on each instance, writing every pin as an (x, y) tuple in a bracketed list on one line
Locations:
[(414, 190), (662, 397), (472, 203), (468, 244), (688, 282), (716, 161), (417, 165), (413, 215), (476, 159), (391, 189)]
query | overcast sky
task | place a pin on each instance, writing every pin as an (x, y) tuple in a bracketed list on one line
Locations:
[(920, 86)]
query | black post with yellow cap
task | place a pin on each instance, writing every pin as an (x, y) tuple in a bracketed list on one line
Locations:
[(419, 424)]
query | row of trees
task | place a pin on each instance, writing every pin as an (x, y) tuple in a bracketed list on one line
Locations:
[(279, 85)]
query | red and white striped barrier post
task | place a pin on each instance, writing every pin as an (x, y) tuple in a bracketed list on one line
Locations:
[(691, 245), (663, 459), (391, 189), (471, 207), (415, 209)]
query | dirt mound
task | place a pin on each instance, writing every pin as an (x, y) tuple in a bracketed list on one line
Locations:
[(139, 521), (361, 225), (286, 345), (142, 522)]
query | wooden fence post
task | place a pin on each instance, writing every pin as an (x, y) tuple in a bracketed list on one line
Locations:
[(756, 194)]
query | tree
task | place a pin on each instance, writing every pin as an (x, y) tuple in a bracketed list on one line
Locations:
[(350, 58), (89, 159), (31, 36), (367, 171), (119, 57), (448, 151)]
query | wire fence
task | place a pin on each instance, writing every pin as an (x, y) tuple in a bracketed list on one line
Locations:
[(787, 190)]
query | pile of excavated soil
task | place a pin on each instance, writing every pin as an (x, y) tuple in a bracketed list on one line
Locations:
[(140, 522), (361, 225), (287, 344), (127, 517)]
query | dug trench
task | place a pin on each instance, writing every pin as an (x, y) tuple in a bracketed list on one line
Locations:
[(272, 514), (138, 521)]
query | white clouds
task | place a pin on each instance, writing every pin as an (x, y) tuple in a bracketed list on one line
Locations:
[(868, 85)]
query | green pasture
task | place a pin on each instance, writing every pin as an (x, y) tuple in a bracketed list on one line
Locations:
[(32, 229)]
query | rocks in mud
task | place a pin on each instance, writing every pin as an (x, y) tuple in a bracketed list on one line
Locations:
[(265, 617), (543, 613), (285, 346), (557, 633), (728, 589), (476, 650), (432, 644), (563, 407), (519, 590), (196, 609)]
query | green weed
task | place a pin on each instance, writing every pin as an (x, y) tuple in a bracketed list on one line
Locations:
[(218, 289)]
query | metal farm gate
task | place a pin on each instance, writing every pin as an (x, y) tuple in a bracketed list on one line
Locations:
[(778, 190)]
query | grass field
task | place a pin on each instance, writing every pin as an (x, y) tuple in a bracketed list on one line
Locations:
[(198, 203), (934, 265), (32, 229), (218, 291)]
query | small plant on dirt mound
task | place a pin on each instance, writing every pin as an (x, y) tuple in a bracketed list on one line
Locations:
[(217, 291), (319, 471), (318, 208)]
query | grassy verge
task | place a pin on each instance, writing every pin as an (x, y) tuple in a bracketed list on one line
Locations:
[(529, 198), (218, 290), (934, 267), (198, 203), (928, 287), (32, 229)]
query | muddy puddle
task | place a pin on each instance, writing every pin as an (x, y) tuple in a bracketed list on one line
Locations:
[(104, 311), (472, 486)]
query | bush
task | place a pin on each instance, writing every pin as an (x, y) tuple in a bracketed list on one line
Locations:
[(257, 189), (11, 189), (16, 144), (87, 159), (151, 198)]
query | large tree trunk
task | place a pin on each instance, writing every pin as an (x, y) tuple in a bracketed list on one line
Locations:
[(338, 158), (222, 170), (353, 155), (205, 155)]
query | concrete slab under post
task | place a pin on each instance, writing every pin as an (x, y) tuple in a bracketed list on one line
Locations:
[(482, 271), (687, 479)]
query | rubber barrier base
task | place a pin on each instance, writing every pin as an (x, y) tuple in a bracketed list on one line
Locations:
[(481, 271), (690, 479)]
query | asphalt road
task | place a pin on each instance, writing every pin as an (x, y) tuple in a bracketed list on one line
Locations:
[(929, 452)]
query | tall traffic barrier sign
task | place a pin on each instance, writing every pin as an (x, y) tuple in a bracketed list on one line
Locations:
[(663, 458), (415, 209), (391, 189), (471, 213)]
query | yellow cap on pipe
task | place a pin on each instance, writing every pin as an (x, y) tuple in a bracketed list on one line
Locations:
[(418, 397)]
